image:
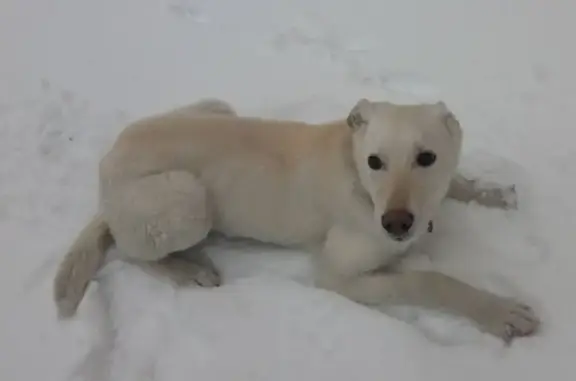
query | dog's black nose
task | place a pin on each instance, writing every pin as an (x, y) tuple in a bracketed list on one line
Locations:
[(397, 222)]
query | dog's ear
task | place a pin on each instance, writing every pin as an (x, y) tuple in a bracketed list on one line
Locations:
[(360, 114), (448, 118)]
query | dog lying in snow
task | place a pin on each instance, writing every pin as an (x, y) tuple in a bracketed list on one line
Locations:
[(356, 192)]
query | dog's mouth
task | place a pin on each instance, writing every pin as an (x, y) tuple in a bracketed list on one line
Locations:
[(408, 235), (400, 237)]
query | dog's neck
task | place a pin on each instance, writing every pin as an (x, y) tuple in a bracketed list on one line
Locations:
[(344, 181), (342, 137)]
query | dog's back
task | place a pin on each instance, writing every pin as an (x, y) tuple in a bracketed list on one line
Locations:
[(261, 174)]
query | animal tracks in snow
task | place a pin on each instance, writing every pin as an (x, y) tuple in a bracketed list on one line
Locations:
[(186, 9), (360, 58)]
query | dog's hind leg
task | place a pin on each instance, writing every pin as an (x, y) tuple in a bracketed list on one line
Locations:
[(207, 106), (157, 219)]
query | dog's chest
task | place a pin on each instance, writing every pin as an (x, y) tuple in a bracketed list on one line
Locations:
[(353, 251)]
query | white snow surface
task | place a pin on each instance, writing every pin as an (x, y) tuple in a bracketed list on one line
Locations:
[(74, 73)]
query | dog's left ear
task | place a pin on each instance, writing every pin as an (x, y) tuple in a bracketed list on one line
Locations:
[(448, 118), (360, 114)]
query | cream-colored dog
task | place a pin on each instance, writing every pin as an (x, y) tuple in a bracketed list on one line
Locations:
[(356, 192)]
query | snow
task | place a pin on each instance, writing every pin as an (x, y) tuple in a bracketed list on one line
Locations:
[(72, 74)]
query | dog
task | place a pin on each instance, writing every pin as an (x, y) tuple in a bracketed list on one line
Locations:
[(355, 192)]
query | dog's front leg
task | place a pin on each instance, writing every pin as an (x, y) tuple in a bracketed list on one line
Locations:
[(502, 317), (467, 190)]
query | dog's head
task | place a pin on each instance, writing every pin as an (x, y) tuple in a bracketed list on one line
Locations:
[(405, 156)]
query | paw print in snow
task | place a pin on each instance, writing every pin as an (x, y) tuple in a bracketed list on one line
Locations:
[(183, 8), (56, 113)]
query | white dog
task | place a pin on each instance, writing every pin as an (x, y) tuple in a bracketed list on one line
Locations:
[(356, 192)]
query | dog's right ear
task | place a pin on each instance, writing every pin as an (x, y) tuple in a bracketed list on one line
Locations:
[(448, 119), (360, 114)]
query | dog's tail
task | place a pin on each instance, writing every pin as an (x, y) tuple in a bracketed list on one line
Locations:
[(83, 260)]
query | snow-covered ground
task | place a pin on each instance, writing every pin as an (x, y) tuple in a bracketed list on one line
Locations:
[(73, 73)]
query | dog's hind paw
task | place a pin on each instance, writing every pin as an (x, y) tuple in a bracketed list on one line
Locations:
[(184, 271), (203, 276)]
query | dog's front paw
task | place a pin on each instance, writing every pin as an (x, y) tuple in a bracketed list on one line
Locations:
[(497, 197), (507, 319), (509, 197)]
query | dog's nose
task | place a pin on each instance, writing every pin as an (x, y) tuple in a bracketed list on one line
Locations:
[(397, 222)]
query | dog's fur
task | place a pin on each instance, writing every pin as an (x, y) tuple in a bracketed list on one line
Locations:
[(172, 178)]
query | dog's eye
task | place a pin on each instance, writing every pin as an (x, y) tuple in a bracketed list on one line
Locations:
[(375, 163), (426, 158)]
